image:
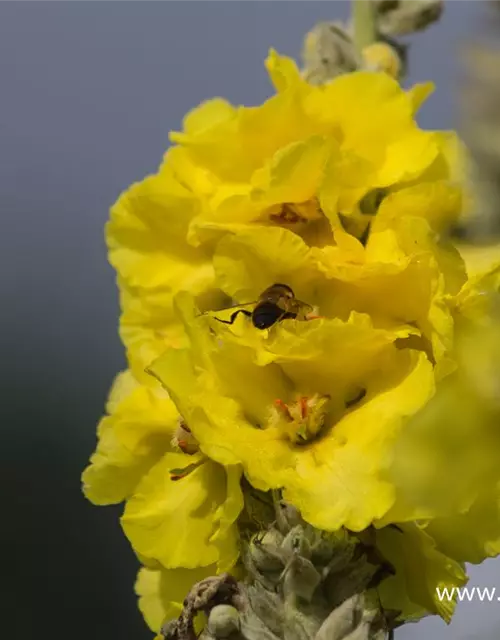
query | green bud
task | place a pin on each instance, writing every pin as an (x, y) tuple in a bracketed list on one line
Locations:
[(296, 542), (266, 553), (223, 621), (401, 17), (328, 52), (342, 621)]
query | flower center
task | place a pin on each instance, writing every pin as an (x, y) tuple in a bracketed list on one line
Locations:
[(306, 219), (300, 420), (184, 440), (296, 212)]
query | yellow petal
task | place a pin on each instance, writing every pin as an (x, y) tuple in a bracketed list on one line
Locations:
[(474, 535), (294, 173), (171, 521), (450, 163), (479, 294), (304, 352), (260, 131), (419, 93), (147, 245), (407, 157), (226, 537), (439, 202), (341, 480), (438, 457), (447, 458), (347, 178), (283, 71), (161, 592), (207, 115), (480, 259), (421, 569), (247, 263), (146, 225), (148, 324), (131, 440), (374, 100)]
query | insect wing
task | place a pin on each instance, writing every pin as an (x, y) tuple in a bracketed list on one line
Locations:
[(299, 308), (276, 296)]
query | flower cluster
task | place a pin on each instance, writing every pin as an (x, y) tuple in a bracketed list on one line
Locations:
[(334, 194)]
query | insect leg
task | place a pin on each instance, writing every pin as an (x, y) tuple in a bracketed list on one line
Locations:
[(234, 316)]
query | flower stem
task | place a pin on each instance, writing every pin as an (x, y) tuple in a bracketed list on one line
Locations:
[(363, 16)]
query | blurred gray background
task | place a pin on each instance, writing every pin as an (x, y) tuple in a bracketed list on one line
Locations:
[(88, 93)]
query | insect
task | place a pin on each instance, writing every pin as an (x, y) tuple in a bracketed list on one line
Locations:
[(276, 303)]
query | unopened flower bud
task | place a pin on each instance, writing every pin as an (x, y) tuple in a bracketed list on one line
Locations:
[(266, 553), (223, 621), (384, 6), (297, 542), (401, 17), (328, 52), (383, 56)]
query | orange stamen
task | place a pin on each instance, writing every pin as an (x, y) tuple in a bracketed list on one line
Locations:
[(303, 407), (284, 407)]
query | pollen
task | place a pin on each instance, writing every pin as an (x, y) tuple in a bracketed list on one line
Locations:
[(300, 420)]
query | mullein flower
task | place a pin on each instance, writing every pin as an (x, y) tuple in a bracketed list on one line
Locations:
[(329, 51), (398, 17), (182, 531), (336, 192), (446, 464), (320, 438), (311, 160)]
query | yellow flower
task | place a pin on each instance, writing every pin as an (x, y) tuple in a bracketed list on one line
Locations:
[(311, 160), (312, 408), (335, 192), (402, 276), (447, 463), (181, 528)]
